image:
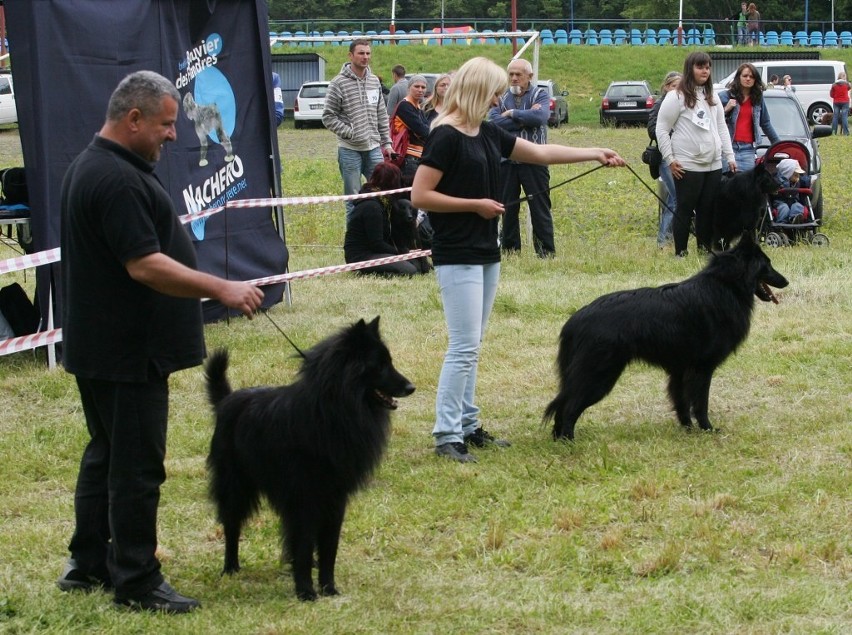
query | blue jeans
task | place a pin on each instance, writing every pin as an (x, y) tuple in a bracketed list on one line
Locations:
[(841, 116), (787, 212), (467, 292), (744, 155), (353, 164), (667, 212)]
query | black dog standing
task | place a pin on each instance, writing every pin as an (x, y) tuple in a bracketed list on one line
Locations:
[(688, 329), (307, 447)]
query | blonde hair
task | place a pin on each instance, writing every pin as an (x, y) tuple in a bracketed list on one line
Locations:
[(434, 100), (472, 92)]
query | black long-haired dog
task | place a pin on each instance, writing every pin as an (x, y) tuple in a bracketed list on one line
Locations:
[(307, 446), (741, 202), (688, 329)]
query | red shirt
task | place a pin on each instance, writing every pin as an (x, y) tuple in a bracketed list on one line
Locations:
[(744, 131), (840, 92)]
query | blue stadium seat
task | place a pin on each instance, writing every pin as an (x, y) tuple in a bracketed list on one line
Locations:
[(846, 38), (664, 36), (489, 36), (301, 34), (693, 37), (605, 37), (709, 36), (786, 38), (561, 36), (636, 37), (591, 37), (772, 38), (802, 38), (620, 36), (650, 37), (575, 37), (503, 39), (830, 38), (546, 36), (816, 38)]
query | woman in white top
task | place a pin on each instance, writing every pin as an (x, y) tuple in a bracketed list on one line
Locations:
[(695, 150)]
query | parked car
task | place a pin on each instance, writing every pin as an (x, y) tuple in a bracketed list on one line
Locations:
[(812, 80), (791, 123), (558, 103), (309, 103), (627, 102), (8, 110)]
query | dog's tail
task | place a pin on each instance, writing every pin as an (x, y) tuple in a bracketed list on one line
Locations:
[(217, 381)]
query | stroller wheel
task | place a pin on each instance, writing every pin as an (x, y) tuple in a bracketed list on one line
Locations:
[(775, 240), (819, 240)]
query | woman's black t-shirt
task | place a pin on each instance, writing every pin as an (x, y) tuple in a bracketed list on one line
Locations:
[(471, 169)]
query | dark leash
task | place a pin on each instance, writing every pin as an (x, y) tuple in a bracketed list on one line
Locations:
[(657, 196), (552, 187), (280, 330)]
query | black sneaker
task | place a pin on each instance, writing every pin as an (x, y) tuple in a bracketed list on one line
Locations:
[(455, 451), (480, 438), (75, 579), (164, 598)]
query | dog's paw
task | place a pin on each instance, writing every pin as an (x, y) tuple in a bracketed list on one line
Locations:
[(306, 595), (329, 589), (231, 570)]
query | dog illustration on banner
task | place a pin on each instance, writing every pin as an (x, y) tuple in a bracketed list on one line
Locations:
[(208, 121)]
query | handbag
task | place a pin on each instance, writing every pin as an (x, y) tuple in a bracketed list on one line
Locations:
[(653, 158)]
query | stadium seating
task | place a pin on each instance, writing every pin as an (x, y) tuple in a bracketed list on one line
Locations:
[(591, 37), (830, 38), (605, 37), (772, 38), (650, 37), (709, 36), (575, 37), (636, 37), (620, 36), (664, 36), (801, 38), (816, 38), (786, 38), (561, 36), (846, 38)]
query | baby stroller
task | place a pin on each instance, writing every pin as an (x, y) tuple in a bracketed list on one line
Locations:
[(781, 234)]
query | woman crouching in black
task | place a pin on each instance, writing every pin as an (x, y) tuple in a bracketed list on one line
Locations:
[(380, 227)]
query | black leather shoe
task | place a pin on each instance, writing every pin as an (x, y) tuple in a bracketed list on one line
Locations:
[(75, 579), (163, 598)]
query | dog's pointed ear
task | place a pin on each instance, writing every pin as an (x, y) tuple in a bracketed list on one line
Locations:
[(374, 325)]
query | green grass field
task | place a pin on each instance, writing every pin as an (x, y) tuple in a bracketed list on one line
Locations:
[(637, 527)]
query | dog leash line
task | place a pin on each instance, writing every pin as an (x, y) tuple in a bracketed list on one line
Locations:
[(280, 330)]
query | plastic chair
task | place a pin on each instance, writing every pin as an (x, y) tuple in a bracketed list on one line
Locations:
[(546, 36), (693, 37), (664, 36), (830, 39), (620, 36), (816, 38), (772, 38), (802, 38), (561, 36), (650, 37), (591, 37), (606, 37), (575, 37), (636, 37), (786, 38), (709, 36), (489, 36), (846, 38)]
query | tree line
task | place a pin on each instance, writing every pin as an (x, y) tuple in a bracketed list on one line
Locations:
[(783, 13)]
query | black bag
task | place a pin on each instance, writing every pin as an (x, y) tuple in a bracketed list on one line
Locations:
[(653, 158), (19, 312), (13, 185)]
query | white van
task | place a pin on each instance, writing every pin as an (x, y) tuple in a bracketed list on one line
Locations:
[(8, 111), (812, 80)]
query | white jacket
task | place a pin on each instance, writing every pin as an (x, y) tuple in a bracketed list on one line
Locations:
[(699, 138)]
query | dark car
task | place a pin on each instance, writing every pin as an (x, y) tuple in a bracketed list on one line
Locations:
[(791, 123), (558, 103), (627, 102)]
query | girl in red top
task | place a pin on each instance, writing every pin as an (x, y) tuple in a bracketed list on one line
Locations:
[(840, 96)]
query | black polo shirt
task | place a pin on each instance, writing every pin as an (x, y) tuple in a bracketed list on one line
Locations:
[(114, 209)]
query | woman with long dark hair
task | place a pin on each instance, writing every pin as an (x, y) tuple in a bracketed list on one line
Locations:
[(746, 114), (693, 140)]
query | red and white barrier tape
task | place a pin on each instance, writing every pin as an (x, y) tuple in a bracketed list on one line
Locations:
[(353, 266), (27, 342), (27, 262), (297, 200)]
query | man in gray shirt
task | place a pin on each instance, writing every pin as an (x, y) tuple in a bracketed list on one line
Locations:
[(399, 89)]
